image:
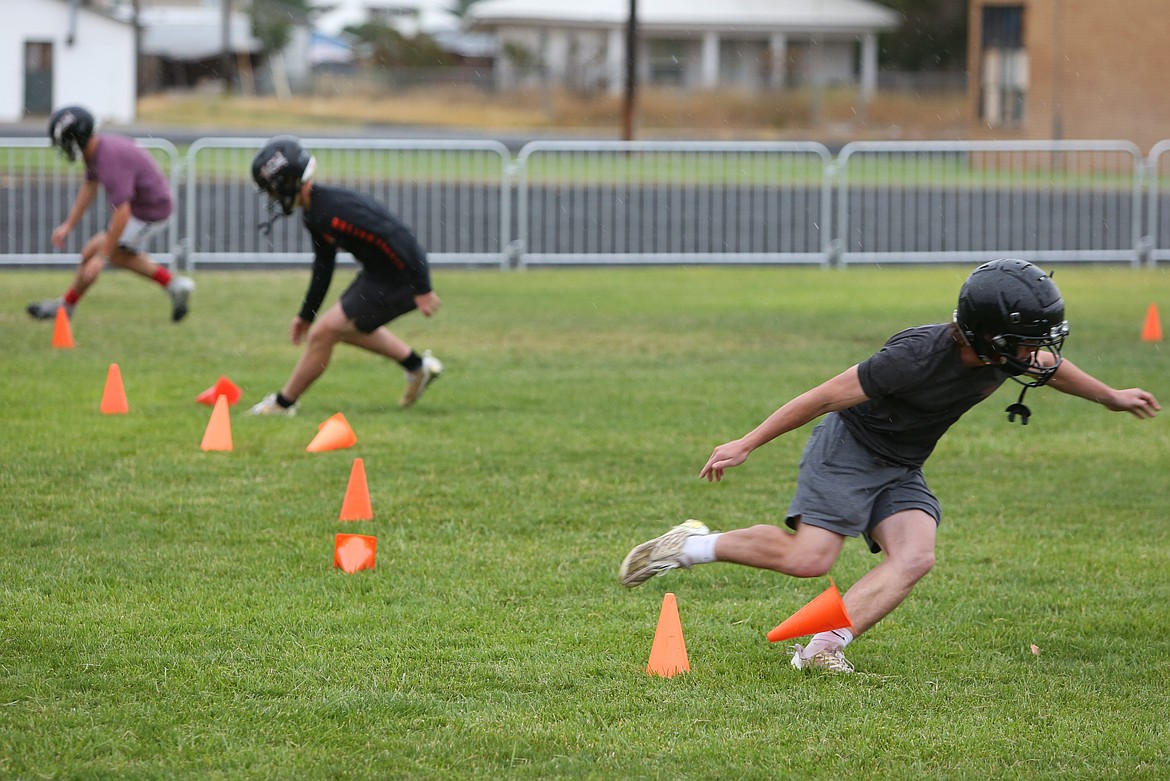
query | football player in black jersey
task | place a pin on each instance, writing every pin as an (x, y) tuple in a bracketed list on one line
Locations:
[(394, 278)]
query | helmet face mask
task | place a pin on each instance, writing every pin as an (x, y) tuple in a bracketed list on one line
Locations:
[(1010, 312), (279, 169), (70, 129)]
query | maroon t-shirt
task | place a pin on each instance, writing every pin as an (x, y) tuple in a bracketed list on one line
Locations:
[(127, 172)]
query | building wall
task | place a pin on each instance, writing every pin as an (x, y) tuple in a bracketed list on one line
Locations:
[(1095, 70), (96, 70)]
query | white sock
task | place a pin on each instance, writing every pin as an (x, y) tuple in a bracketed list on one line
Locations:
[(827, 641), (699, 549)]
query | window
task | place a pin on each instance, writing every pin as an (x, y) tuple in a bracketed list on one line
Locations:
[(1003, 66)]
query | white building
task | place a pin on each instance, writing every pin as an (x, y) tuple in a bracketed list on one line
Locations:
[(409, 17), (694, 44), (58, 52)]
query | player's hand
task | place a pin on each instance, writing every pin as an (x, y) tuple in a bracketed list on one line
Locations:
[(724, 457), (60, 233), (428, 303), (1137, 402), (298, 328)]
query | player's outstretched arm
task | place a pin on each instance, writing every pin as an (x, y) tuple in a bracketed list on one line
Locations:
[(1074, 381), (840, 392)]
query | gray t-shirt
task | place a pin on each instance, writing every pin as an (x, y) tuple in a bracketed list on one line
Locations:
[(917, 387)]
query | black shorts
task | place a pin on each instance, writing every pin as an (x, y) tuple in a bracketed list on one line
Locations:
[(844, 487), (371, 302)]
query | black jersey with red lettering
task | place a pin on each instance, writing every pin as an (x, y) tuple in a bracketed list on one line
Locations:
[(341, 219)]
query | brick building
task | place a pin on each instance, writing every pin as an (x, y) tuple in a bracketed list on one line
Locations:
[(1069, 69)]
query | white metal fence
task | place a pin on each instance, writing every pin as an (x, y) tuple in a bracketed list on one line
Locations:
[(557, 203), (454, 194), (37, 188)]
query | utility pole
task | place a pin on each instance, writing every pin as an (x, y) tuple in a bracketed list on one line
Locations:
[(631, 73), (225, 56)]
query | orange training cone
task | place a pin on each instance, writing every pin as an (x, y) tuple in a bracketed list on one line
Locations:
[(62, 333), (356, 505), (825, 612), (354, 552), (1152, 329), (334, 434), (218, 435), (668, 654), (222, 387), (114, 397)]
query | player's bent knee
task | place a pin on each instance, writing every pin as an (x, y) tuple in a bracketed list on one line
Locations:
[(916, 565)]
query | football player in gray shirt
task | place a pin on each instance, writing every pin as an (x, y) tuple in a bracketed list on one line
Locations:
[(861, 471)]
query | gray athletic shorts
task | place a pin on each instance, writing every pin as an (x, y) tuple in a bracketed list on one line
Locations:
[(844, 487), (371, 302)]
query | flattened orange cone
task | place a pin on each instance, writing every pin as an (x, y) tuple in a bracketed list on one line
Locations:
[(1151, 330), (825, 612), (62, 332), (114, 396), (356, 506), (354, 552), (334, 434), (218, 435), (222, 387), (668, 654)]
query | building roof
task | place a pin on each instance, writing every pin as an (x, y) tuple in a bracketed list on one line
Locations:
[(844, 16), (193, 33)]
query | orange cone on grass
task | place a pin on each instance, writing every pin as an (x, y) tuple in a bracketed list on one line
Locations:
[(1152, 328), (222, 387), (356, 505), (218, 435), (114, 396), (62, 332), (354, 552), (824, 613), (668, 654), (334, 434)]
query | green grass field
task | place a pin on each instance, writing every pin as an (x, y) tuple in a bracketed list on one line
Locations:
[(173, 613)]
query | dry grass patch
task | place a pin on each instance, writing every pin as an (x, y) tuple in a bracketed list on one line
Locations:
[(835, 114)]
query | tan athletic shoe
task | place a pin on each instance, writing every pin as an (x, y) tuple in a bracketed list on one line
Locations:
[(834, 661), (659, 555), (418, 380)]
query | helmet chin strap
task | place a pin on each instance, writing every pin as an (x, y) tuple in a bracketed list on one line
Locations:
[(1019, 408), (275, 212)]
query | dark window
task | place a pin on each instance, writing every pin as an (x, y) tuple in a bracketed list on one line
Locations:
[(1003, 26), (1003, 66)]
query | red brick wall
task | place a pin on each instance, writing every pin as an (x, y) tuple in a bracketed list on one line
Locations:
[(1098, 70)]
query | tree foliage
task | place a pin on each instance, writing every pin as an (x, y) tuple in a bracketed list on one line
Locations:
[(385, 47), (273, 20), (932, 36)]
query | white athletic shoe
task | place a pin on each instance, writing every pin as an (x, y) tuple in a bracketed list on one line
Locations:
[(834, 660), (418, 380), (180, 290), (659, 555), (268, 406), (47, 309)]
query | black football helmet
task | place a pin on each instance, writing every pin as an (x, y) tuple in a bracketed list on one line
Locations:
[(1007, 304), (280, 168), (70, 129)]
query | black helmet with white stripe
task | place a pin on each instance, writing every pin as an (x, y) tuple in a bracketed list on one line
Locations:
[(70, 129)]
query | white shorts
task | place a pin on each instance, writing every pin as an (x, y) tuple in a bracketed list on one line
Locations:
[(138, 234)]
